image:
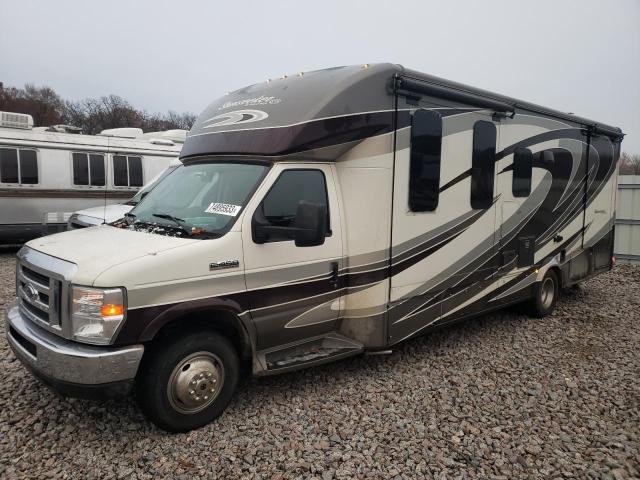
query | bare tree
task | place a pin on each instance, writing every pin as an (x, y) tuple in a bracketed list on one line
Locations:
[(92, 115), (629, 164)]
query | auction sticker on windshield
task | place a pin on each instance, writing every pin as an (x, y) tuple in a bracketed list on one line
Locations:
[(223, 209)]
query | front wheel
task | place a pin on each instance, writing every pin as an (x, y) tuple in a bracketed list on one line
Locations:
[(187, 382), (545, 295)]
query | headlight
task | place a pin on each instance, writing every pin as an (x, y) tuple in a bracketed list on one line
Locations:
[(96, 313)]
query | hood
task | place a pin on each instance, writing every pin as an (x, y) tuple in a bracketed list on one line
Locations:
[(96, 249), (108, 213)]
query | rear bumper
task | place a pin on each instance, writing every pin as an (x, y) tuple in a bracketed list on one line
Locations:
[(71, 368)]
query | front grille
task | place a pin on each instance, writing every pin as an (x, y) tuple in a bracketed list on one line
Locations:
[(39, 296)]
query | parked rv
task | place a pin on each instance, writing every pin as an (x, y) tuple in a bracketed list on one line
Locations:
[(314, 218), (90, 217), (46, 173)]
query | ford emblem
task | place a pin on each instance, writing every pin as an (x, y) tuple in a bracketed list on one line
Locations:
[(31, 292)]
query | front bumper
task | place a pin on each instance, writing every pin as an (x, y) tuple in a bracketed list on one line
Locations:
[(72, 368)]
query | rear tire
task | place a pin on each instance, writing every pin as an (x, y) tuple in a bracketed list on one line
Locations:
[(545, 295), (187, 382)]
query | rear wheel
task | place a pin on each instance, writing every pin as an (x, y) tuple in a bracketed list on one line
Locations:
[(545, 295), (187, 382)]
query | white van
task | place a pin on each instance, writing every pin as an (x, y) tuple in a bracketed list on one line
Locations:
[(314, 218)]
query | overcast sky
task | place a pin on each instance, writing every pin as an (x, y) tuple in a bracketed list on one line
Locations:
[(581, 56)]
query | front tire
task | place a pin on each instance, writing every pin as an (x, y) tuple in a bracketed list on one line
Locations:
[(187, 382), (545, 295)]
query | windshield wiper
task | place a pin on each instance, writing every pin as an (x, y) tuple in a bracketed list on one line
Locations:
[(129, 217), (178, 221)]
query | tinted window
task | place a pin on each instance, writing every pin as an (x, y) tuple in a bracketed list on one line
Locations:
[(80, 169), (135, 172), (120, 175), (483, 164), (293, 186), (28, 167), (8, 165), (522, 166), (96, 167), (424, 172)]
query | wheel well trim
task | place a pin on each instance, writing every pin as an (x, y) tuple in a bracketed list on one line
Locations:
[(553, 263), (182, 311)]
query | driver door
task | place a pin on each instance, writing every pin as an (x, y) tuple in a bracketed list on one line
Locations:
[(293, 291)]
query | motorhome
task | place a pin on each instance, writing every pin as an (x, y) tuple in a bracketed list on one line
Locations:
[(46, 173), (91, 217), (317, 217)]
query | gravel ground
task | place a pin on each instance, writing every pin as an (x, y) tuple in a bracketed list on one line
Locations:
[(504, 396)]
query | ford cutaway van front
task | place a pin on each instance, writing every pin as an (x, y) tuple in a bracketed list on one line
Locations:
[(78, 321)]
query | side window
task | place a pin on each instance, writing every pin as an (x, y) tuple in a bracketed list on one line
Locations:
[(120, 173), (280, 205), (483, 164), (96, 169), (522, 166), (424, 170), (88, 169), (135, 171), (127, 171), (18, 166), (9, 165), (28, 167)]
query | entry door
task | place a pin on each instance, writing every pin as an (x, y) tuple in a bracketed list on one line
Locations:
[(294, 292), (516, 247)]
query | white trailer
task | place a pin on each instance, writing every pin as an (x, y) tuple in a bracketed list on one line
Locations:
[(46, 173)]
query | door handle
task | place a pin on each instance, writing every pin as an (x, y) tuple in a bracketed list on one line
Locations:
[(334, 280)]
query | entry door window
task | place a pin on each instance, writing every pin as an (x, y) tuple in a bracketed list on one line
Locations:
[(483, 164), (280, 205)]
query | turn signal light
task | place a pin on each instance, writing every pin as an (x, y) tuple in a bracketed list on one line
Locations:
[(111, 310)]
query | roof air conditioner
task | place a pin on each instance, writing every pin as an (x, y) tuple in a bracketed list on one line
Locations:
[(16, 120), (122, 132)]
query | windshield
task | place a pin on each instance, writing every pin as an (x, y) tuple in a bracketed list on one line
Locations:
[(147, 188), (198, 200)]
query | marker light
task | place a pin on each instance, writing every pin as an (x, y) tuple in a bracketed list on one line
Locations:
[(111, 310)]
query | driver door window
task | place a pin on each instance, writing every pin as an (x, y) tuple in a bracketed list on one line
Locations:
[(280, 205)]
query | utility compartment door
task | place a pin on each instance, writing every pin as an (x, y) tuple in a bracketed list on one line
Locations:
[(293, 291), (600, 209), (443, 230)]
